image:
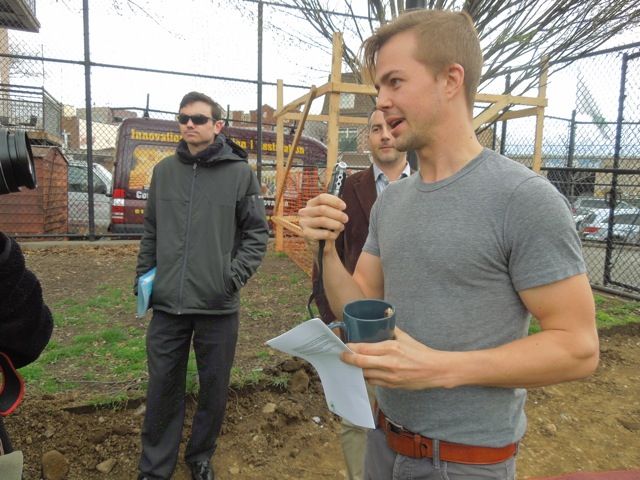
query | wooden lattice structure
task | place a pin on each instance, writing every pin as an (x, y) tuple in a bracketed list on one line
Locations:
[(287, 230)]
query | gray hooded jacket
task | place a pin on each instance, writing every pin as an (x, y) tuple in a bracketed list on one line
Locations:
[(204, 229)]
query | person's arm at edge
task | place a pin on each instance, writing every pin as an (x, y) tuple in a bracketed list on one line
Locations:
[(26, 322), (566, 349), (342, 288)]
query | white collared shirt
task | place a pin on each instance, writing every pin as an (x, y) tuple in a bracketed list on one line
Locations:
[(381, 179)]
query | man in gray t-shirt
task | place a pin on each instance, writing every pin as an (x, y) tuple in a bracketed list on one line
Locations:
[(465, 250)]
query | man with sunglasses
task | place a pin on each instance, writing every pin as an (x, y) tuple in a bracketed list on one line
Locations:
[(206, 232)]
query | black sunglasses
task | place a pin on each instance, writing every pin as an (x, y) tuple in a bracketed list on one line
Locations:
[(196, 119)]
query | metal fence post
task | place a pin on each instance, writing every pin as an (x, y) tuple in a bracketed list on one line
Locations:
[(571, 153), (259, 116), (503, 133), (88, 118), (613, 193)]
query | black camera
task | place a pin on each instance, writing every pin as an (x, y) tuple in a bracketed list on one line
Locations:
[(16, 162)]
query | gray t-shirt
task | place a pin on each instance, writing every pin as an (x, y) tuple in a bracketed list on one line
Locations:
[(454, 254)]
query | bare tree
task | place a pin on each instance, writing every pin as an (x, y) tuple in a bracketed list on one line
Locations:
[(515, 34)]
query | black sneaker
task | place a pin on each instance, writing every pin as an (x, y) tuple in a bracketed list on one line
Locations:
[(201, 471)]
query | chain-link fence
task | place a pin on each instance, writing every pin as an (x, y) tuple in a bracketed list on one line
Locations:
[(46, 88), (591, 153), (74, 100)]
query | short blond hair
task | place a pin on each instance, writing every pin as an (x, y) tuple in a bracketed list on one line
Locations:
[(444, 38)]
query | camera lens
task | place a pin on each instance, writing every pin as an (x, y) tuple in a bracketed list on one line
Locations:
[(16, 162)]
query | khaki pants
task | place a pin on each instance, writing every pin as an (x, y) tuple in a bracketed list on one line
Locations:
[(11, 466), (354, 443)]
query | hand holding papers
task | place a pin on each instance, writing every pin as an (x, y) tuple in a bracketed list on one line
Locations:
[(343, 384), (145, 286)]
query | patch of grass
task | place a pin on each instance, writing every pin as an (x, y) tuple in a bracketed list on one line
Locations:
[(241, 378), (85, 337), (113, 335), (114, 401), (296, 278), (53, 386), (610, 311), (263, 354), (193, 387), (93, 310), (280, 381), (258, 313), (32, 373)]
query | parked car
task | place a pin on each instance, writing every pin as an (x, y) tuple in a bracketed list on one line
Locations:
[(587, 210), (587, 205), (78, 205), (580, 219), (627, 228), (626, 225)]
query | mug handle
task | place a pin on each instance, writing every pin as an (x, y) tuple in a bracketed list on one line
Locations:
[(342, 327)]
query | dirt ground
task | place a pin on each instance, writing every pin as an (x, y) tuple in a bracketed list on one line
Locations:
[(590, 425)]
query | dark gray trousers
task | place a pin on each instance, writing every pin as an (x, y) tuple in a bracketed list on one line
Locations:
[(168, 342)]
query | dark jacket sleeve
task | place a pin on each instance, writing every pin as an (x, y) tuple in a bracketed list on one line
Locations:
[(147, 252), (25, 321), (252, 235)]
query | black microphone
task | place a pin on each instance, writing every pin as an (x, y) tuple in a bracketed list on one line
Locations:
[(336, 184)]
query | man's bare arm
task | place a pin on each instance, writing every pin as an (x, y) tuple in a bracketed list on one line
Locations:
[(566, 349), (342, 288)]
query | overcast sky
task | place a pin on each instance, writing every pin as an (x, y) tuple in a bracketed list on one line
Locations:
[(209, 37), (199, 36)]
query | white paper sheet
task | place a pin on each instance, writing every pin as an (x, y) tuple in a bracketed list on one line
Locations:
[(343, 384)]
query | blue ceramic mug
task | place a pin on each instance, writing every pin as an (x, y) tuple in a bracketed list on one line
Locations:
[(367, 321)]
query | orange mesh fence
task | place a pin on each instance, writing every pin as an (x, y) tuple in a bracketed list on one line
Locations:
[(305, 181), (302, 184)]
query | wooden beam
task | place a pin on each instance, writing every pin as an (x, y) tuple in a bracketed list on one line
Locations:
[(511, 114), (511, 99), (280, 184), (542, 95), (325, 118), (287, 223), (294, 145), (334, 107), (329, 87), (294, 105), (359, 88), (490, 113)]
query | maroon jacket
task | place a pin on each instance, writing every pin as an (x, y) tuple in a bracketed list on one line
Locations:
[(359, 193)]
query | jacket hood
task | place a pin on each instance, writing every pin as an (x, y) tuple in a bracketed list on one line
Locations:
[(222, 149)]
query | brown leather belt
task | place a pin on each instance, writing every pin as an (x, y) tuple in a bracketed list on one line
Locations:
[(413, 445)]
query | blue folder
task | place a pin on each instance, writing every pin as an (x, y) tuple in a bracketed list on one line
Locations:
[(145, 287)]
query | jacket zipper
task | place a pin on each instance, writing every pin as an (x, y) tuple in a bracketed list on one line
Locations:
[(186, 240)]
